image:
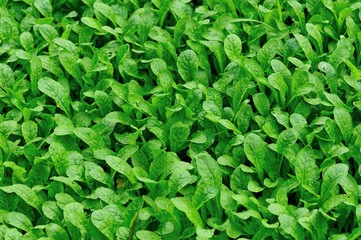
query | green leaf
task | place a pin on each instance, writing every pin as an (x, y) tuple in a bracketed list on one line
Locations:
[(23, 55), (257, 72), (198, 137), (356, 233), (126, 152), (262, 103), (29, 130), (147, 235), (65, 125), (218, 50), (298, 9), (48, 32), (290, 225), (229, 125), (120, 165), (104, 221), (180, 119), (178, 180), (332, 177), (103, 101), (51, 65), (306, 169), (57, 153), (66, 44), (70, 183), (209, 169), (343, 51), (27, 41), (315, 33), (185, 205), (55, 231), (330, 72), (254, 186), (44, 7), (358, 213), (233, 48), (107, 11), (62, 199), (57, 92), (300, 84), (69, 62), (349, 185), (286, 138), (281, 68), (333, 202), (161, 166), (25, 193), (19, 221), (211, 179), (160, 69), (130, 67), (12, 234), (119, 117), (93, 23), (74, 214), (268, 51), (36, 73), (106, 195), (90, 137), (51, 210), (7, 78), (277, 81), (343, 120), (8, 202), (178, 136), (98, 173), (255, 150), (187, 65), (305, 45), (205, 233), (277, 209)]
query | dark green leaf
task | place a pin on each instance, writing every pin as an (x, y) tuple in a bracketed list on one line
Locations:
[(178, 136), (25, 193), (343, 120), (262, 103), (290, 225), (306, 169), (69, 62), (74, 214), (56, 232), (57, 153), (90, 137), (187, 65), (254, 147), (51, 210), (18, 220), (7, 78), (44, 7), (185, 205), (209, 169), (332, 177), (48, 32), (105, 222), (29, 130), (233, 48), (57, 92)]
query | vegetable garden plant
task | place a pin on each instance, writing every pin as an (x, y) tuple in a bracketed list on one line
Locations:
[(180, 119)]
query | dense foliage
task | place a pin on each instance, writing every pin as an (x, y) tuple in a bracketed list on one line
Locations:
[(180, 119)]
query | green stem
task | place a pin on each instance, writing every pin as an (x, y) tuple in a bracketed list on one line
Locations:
[(279, 9)]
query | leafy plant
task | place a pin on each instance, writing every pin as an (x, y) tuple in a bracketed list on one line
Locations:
[(180, 119)]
